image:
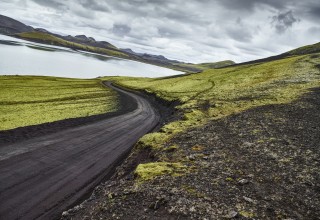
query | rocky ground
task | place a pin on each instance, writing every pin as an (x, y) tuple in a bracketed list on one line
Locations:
[(260, 164)]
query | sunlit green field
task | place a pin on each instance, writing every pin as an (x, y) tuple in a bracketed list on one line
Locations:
[(217, 93), (30, 100)]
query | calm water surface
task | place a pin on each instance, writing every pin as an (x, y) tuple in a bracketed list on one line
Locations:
[(19, 57)]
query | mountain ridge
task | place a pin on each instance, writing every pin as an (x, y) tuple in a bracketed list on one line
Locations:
[(14, 28)]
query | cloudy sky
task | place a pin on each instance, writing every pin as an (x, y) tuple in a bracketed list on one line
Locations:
[(188, 30)]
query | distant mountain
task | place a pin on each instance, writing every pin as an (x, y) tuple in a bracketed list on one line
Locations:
[(10, 26), (83, 39), (14, 28), (192, 67), (151, 57), (41, 30), (129, 51)]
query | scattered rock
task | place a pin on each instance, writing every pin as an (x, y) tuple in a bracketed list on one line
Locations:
[(65, 214), (156, 205), (78, 207), (192, 209), (110, 195), (191, 157), (232, 214), (247, 144), (248, 199), (243, 182), (127, 192)]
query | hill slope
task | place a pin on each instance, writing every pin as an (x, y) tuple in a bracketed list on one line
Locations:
[(244, 146), (308, 49), (10, 26), (314, 48)]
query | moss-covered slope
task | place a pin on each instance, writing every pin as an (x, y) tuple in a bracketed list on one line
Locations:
[(31, 100)]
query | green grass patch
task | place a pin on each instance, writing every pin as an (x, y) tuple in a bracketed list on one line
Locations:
[(152, 140), (149, 171), (31, 100)]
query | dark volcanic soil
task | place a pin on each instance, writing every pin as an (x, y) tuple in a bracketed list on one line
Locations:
[(260, 164)]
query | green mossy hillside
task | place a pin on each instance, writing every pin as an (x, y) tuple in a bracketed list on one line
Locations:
[(149, 171), (31, 100), (313, 48), (217, 93)]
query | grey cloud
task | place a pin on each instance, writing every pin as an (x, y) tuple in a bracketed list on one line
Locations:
[(133, 7), (164, 10), (252, 4), (208, 29), (239, 31), (283, 21), (83, 14), (240, 34), (249, 50), (121, 29), (144, 2), (95, 5), (314, 31), (56, 4), (171, 31), (315, 12), (180, 15), (167, 32)]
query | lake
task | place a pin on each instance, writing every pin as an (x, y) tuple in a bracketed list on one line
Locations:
[(20, 57)]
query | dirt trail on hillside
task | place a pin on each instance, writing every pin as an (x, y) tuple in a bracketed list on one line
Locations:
[(43, 176)]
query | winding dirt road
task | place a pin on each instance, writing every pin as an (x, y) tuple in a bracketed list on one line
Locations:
[(41, 177)]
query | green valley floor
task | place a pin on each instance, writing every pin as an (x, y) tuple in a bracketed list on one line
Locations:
[(33, 100)]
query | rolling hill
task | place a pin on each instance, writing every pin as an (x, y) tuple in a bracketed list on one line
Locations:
[(243, 144)]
